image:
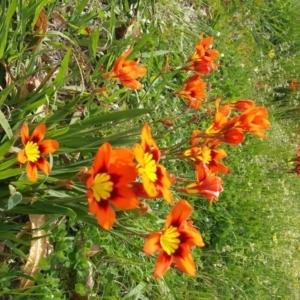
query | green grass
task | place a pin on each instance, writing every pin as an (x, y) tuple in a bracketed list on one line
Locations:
[(251, 233)]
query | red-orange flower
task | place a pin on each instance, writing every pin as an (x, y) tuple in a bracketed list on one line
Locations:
[(294, 85), (208, 185), (254, 120), (202, 60), (126, 71), (242, 105), (192, 91), (203, 50), (108, 182), (220, 120), (207, 154), (174, 241), (34, 151), (156, 179), (231, 136), (224, 130)]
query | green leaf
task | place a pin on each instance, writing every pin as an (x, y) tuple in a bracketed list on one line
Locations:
[(93, 45), (14, 199), (54, 208), (61, 75), (61, 113), (115, 116), (6, 164), (10, 173), (135, 292), (5, 125), (155, 53), (4, 148), (43, 264), (4, 28)]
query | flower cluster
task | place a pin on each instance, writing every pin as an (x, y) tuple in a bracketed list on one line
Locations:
[(119, 178), (229, 125)]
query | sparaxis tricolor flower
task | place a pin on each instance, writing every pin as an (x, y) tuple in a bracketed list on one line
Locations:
[(109, 182), (127, 71), (174, 241), (156, 179), (34, 150)]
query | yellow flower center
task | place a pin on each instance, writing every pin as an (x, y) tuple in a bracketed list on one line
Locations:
[(102, 186), (32, 151), (149, 167), (204, 155), (169, 240)]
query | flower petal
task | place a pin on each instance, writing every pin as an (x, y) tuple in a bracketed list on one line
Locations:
[(139, 154), (180, 213), (43, 165), (152, 243), (167, 195), (119, 62), (126, 174), (149, 186), (21, 157), (123, 155), (104, 213), (38, 133), (126, 199), (132, 84), (31, 171), (48, 146), (162, 264), (24, 132), (102, 158), (184, 260), (191, 236)]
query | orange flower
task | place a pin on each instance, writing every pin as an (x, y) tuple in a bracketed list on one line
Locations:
[(108, 181), (192, 91), (202, 60), (207, 154), (126, 71), (242, 105), (201, 67), (220, 120), (294, 85), (254, 120), (34, 151), (208, 185), (174, 241), (222, 129), (203, 51), (156, 179), (231, 136)]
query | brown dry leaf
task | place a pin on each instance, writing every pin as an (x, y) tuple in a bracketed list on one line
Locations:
[(37, 249), (5, 76), (93, 251), (40, 27), (144, 208), (58, 20), (134, 29)]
